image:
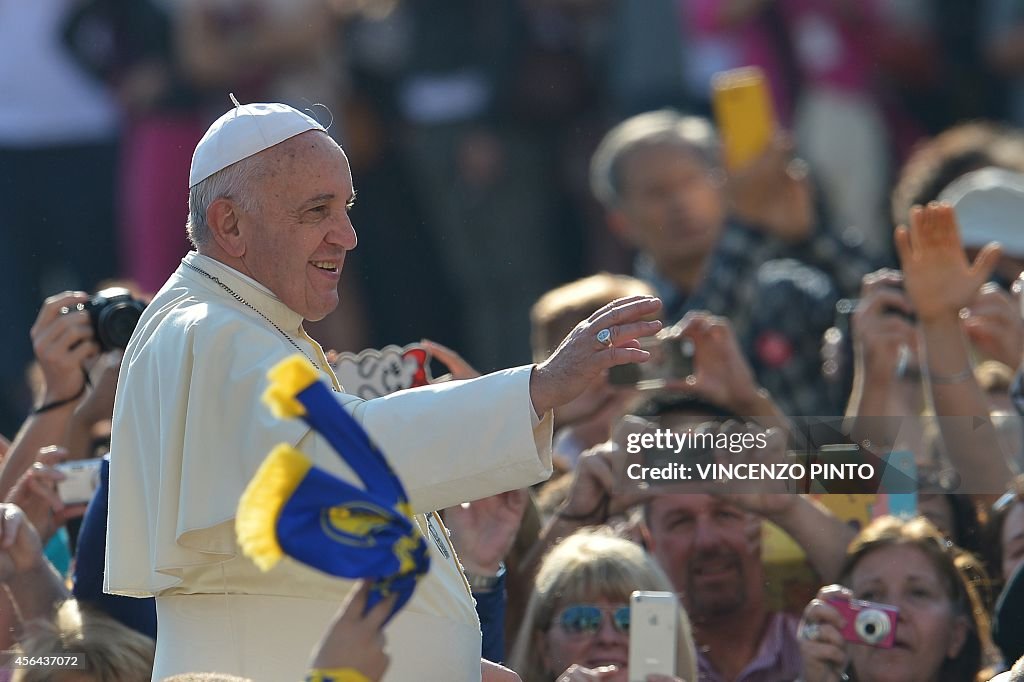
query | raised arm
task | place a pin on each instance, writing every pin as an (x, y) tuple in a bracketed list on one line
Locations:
[(62, 342), (940, 283), (464, 440), (882, 332), (724, 378), (32, 582)]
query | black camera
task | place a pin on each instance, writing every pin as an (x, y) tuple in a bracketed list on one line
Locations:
[(114, 314), (671, 358)]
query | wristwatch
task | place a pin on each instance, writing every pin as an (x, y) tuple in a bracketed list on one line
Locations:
[(485, 583)]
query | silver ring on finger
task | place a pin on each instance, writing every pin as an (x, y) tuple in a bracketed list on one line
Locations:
[(604, 337), (810, 631)]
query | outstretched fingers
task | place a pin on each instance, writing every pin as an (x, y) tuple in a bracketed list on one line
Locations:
[(621, 355), (626, 335), (625, 310), (619, 302)]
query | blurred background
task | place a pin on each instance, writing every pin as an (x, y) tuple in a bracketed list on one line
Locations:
[(469, 124)]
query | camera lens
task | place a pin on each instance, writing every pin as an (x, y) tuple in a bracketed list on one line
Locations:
[(114, 314), (117, 322), (872, 626)]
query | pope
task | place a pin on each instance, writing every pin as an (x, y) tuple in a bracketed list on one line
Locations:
[(269, 200)]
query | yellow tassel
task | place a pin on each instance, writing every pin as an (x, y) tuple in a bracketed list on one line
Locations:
[(403, 549), (261, 504), (407, 545), (288, 378), (336, 675)]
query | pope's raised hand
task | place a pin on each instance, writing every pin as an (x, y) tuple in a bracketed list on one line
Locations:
[(607, 338)]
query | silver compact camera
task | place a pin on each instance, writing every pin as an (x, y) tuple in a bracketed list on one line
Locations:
[(81, 479)]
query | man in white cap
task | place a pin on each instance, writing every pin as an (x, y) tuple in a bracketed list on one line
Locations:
[(268, 214)]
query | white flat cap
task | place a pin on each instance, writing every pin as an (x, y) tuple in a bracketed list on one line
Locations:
[(989, 205), (246, 130)]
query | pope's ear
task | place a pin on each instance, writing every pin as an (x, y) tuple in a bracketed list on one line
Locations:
[(222, 218)]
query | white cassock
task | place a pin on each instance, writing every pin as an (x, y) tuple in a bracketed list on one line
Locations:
[(189, 433)]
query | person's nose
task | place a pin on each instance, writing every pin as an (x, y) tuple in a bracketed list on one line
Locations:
[(344, 234), (680, 199), (705, 535), (608, 634), (904, 606)]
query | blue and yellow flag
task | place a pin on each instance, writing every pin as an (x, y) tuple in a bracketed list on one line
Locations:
[(292, 507)]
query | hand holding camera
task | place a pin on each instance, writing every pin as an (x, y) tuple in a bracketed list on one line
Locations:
[(866, 622), (774, 192), (767, 187), (599, 487), (72, 328), (884, 335), (63, 340), (721, 374), (833, 619), (39, 493)]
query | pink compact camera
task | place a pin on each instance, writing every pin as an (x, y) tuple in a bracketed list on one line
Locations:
[(867, 622)]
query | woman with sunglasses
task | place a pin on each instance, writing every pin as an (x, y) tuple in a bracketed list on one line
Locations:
[(576, 627)]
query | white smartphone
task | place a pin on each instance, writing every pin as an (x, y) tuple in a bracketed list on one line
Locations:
[(653, 635), (81, 479)]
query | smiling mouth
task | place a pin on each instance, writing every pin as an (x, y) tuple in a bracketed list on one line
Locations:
[(326, 266), (619, 663)]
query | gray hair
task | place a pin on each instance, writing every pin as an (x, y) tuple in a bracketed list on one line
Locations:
[(693, 134), (234, 182)]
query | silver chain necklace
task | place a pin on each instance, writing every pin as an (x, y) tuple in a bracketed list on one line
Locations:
[(248, 305)]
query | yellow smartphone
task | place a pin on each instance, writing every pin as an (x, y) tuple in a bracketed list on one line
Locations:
[(744, 114)]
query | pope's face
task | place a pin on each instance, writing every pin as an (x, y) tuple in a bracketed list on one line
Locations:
[(296, 238)]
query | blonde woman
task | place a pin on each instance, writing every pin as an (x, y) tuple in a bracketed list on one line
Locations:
[(104, 650), (576, 626)]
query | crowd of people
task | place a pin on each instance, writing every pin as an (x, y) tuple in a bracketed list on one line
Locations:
[(563, 202)]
